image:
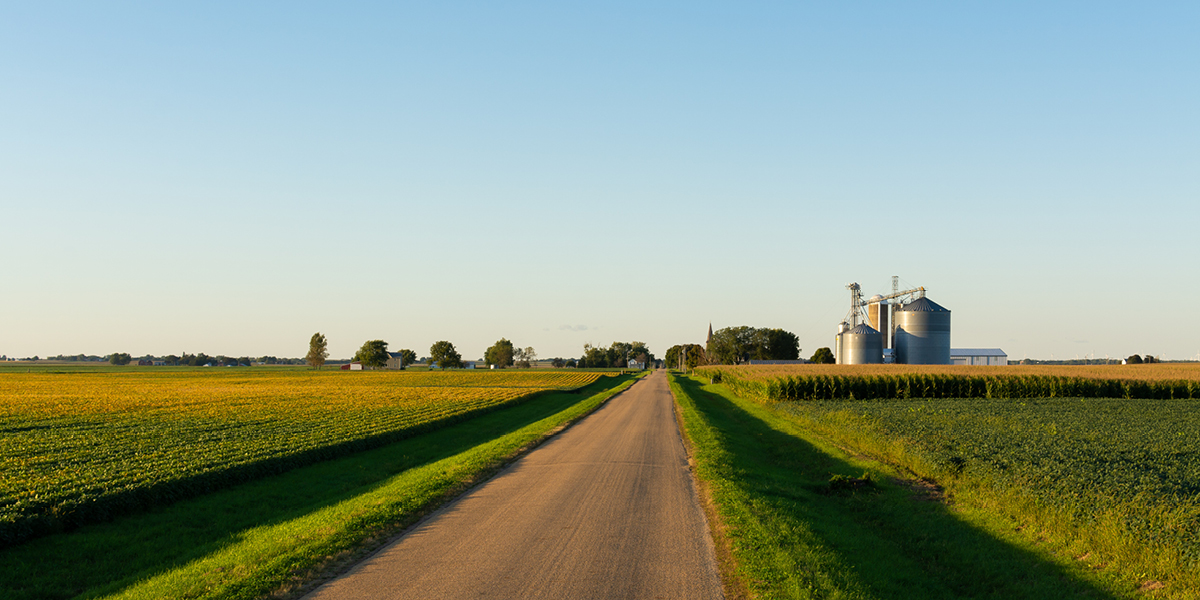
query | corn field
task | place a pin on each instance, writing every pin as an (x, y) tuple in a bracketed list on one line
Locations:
[(880, 382)]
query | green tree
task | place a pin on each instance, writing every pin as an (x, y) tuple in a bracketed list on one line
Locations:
[(318, 351), (693, 355), (777, 344), (640, 351), (618, 354), (736, 345), (730, 345), (118, 358), (445, 356), (373, 353), (524, 356), (594, 357), (499, 354), (407, 357), (823, 356), (1133, 360)]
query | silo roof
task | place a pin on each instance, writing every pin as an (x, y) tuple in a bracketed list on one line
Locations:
[(923, 305), (864, 329)]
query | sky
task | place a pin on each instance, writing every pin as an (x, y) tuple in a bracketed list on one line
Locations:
[(230, 178)]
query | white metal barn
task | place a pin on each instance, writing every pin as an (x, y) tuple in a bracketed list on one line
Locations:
[(978, 356)]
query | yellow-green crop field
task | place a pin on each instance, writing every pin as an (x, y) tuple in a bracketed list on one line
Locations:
[(81, 447), (1151, 372)]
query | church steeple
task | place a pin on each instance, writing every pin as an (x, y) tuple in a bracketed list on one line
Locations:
[(709, 340)]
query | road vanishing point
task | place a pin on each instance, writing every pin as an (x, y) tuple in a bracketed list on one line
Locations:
[(606, 509)]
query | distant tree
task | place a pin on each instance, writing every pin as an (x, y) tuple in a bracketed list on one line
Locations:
[(524, 356), (558, 363), (571, 364), (445, 356), (500, 354), (1134, 360), (117, 358), (735, 345), (639, 349), (171, 359), (373, 353), (1149, 359), (730, 345), (618, 354), (692, 355), (594, 357), (407, 357), (823, 356), (777, 344), (318, 350)]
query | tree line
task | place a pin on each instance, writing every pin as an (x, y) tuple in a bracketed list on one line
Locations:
[(741, 344), (616, 356)]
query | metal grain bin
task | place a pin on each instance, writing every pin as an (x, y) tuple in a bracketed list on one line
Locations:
[(922, 333), (862, 345), (877, 311)]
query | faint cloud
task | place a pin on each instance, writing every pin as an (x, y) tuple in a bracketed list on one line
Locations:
[(573, 327)]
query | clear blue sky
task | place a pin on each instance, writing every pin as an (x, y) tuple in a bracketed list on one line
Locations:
[(229, 178)]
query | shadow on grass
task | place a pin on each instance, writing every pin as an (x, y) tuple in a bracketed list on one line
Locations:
[(104, 558), (798, 538)]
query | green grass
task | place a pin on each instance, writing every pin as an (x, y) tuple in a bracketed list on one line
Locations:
[(797, 528), (1116, 480), (278, 532)]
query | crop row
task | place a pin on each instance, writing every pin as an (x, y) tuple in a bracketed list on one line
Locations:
[(77, 448), (1148, 372), (1079, 457), (939, 385)]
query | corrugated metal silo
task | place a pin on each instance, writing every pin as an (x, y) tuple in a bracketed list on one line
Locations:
[(837, 352), (862, 345), (877, 311), (922, 333)]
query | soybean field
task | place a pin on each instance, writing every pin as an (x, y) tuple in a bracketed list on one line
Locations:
[(1111, 480), (81, 447)]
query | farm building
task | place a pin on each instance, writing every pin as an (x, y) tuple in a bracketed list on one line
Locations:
[(978, 356), (354, 366), (395, 361)]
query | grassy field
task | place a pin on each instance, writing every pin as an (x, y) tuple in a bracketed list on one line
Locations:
[(81, 447), (276, 534), (1100, 494)]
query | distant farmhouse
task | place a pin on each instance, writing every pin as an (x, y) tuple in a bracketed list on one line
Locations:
[(395, 361)]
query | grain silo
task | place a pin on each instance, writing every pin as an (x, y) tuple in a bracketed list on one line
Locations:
[(877, 312), (922, 335), (863, 345)]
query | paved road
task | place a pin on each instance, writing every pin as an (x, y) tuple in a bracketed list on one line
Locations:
[(607, 509)]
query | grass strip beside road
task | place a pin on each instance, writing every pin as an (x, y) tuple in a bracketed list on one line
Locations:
[(805, 519), (276, 535)]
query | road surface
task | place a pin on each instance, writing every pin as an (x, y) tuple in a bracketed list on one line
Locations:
[(607, 509)]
